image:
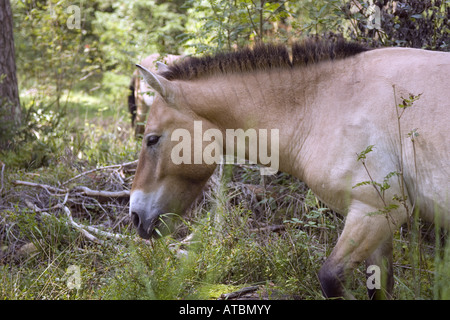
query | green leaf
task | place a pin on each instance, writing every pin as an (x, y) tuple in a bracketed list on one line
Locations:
[(366, 183), (363, 154)]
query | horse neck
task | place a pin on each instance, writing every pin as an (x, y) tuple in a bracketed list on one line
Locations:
[(275, 99)]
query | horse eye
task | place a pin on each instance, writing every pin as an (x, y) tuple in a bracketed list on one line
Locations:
[(152, 140)]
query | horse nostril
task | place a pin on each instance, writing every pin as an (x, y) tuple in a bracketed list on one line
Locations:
[(136, 219)]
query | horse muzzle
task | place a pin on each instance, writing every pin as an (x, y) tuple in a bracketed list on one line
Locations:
[(144, 227), (145, 214)]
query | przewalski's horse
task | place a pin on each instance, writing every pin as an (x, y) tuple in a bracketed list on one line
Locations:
[(329, 101), (141, 95)]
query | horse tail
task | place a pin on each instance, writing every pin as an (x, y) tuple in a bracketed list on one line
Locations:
[(132, 100)]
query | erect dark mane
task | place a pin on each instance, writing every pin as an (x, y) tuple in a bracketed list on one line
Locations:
[(263, 57)]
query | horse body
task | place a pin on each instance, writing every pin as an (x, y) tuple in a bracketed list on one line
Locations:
[(326, 112), (357, 108)]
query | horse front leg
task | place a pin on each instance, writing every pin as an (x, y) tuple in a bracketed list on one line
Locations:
[(361, 238), (381, 259)]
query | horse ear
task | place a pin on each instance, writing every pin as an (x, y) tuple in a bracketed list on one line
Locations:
[(157, 83), (162, 67)]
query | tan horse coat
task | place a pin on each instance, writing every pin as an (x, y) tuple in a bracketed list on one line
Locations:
[(327, 112)]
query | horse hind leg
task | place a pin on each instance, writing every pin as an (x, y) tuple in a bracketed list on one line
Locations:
[(364, 238)]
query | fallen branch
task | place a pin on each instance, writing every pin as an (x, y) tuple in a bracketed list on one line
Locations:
[(69, 216), (34, 207), (79, 227), (120, 166), (98, 193), (80, 197), (239, 293), (40, 185), (85, 190), (83, 229), (106, 234)]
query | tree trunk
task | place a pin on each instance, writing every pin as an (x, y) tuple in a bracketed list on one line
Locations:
[(10, 109)]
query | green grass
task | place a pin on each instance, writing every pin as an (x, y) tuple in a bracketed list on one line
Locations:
[(228, 248)]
